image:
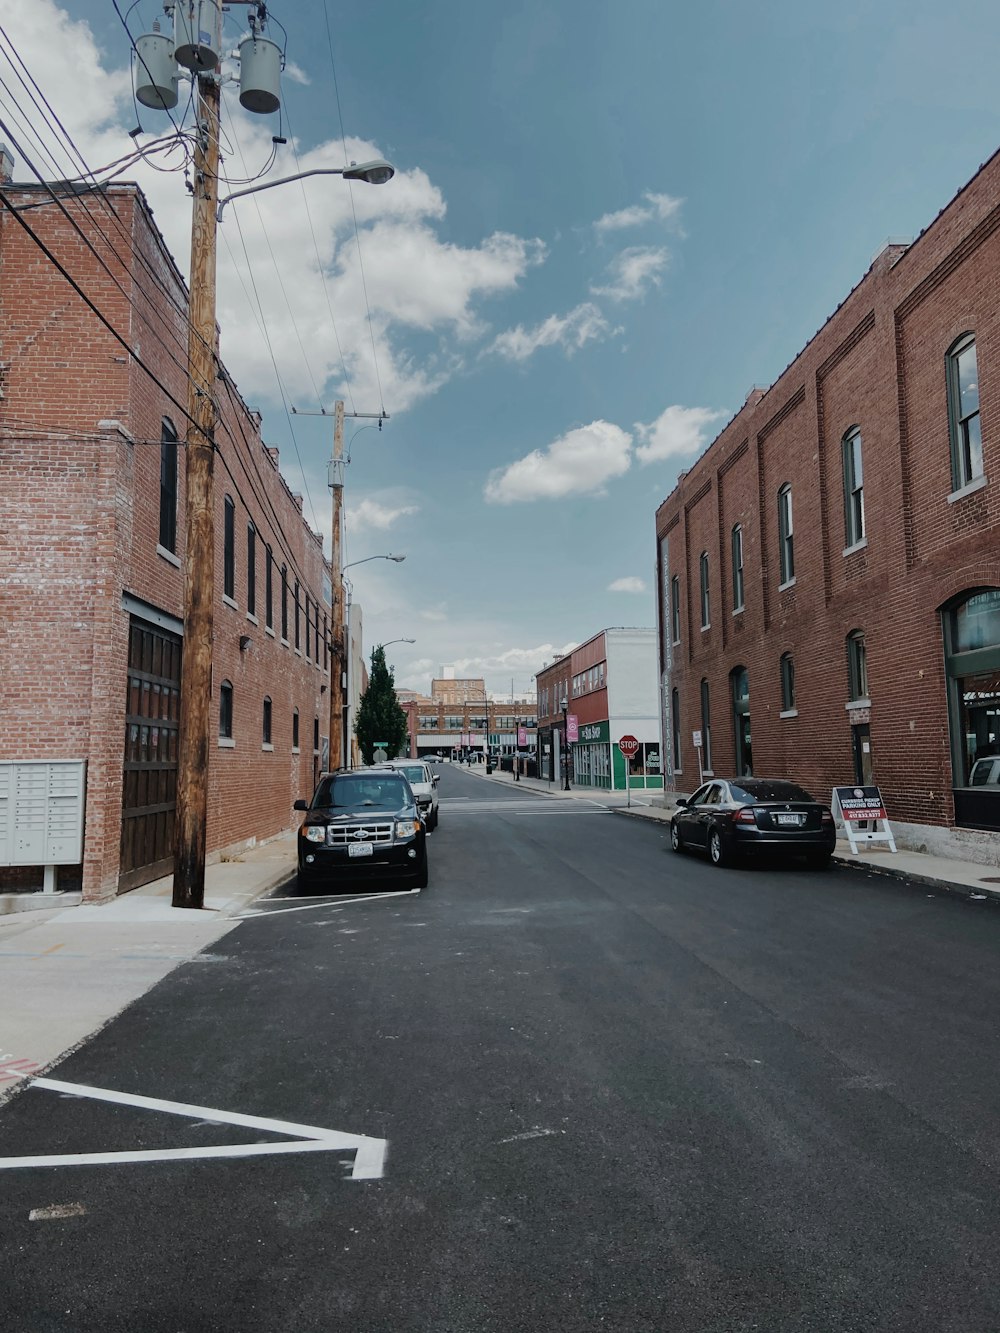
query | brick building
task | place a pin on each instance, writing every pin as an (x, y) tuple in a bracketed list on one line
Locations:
[(458, 716), (92, 544), (829, 569)]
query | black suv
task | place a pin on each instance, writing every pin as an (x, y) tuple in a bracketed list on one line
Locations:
[(362, 825)]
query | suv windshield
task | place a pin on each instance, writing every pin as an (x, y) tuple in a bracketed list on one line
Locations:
[(759, 789), (366, 791)]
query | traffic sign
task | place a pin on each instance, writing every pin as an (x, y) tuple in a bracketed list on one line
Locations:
[(628, 746)]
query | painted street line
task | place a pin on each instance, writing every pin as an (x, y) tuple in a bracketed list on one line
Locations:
[(328, 901), (56, 1211), (369, 1153)]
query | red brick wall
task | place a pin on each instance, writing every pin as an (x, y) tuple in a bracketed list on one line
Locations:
[(79, 525), (879, 364)]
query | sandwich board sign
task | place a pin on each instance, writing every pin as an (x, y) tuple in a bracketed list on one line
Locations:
[(862, 811)]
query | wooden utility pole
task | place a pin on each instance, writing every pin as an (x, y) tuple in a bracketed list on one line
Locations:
[(338, 653), (199, 564)]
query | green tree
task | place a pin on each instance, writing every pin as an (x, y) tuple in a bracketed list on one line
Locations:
[(380, 717)]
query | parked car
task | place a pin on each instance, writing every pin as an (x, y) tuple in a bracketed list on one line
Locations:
[(362, 825), (733, 817), (986, 772), (424, 784)]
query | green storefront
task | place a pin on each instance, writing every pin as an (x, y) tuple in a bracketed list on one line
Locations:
[(600, 764)]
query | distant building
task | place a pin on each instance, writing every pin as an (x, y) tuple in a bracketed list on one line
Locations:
[(829, 569), (610, 687), (458, 717)]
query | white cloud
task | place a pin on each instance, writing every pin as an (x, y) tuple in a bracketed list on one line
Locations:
[(578, 463), (581, 325), (630, 584), (658, 207), (632, 272), (372, 514), (677, 432)]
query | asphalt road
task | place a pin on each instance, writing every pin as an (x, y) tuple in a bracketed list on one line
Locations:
[(620, 1091)]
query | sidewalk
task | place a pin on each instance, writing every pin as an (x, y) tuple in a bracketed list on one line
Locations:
[(969, 879), (66, 972)]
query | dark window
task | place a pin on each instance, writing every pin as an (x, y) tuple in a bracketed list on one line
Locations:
[(251, 569), (675, 731), (226, 710), (739, 682), (706, 618), (229, 549), (284, 603), (737, 567), (326, 644), (308, 627), (787, 682), (706, 726), (269, 589), (854, 488), (295, 730), (316, 735), (963, 413), (857, 665), (786, 535), (675, 609), (266, 727), (761, 789), (298, 632), (168, 486)]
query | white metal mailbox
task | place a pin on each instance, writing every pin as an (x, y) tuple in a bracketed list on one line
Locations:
[(41, 813)]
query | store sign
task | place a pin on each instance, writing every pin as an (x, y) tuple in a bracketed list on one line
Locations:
[(595, 731)]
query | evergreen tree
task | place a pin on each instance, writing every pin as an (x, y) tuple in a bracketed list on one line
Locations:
[(380, 717)]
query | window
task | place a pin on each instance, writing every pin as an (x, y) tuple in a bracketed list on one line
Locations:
[(963, 413), (298, 631), (266, 727), (706, 618), (284, 603), (168, 486), (675, 609), (854, 488), (269, 589), (739, 683), (738, 567), (251, 570), (786, 554), (326, 643), (308, 627), (295, 729), (857, 665), (787, 683), (229, 550), (226, 710), (315, 735), (706, 727), (675, 730)]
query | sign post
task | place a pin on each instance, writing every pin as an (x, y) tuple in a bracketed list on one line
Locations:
[(629, 747), (862, 805), (696, 742)]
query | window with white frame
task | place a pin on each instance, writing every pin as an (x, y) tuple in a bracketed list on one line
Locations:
[(786, 535), (963, 412), (854, 488), (737, 547), (706, 617), (787, 682)]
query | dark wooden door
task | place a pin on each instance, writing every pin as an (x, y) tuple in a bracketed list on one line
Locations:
[(149, 788)]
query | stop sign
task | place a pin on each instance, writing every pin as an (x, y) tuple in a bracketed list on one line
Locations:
[(628, 746)]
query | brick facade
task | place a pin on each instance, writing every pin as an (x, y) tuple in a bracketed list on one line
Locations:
[(879, 364), (80, 458)]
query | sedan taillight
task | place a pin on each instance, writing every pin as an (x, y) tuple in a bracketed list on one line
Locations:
[(744, 815), (826, 817)]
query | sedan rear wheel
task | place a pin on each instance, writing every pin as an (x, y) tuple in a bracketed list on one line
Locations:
[(717, 849), (675, 838)]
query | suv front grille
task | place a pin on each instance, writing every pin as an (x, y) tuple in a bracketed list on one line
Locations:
[(340, 834)]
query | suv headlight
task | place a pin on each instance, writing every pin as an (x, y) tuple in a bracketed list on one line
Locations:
[(407, 828), (314, 833)]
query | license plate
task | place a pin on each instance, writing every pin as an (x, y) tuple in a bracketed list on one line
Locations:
[(360, 849), (793, 820)]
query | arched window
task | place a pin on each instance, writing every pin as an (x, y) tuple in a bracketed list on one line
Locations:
[(706, 617), (269, 589), (787, 682), (737, 549), (284, 604), (971, 626), (266, 721), (857, 665), (251, 570), (963, 412), (854, 488), (226, 710), (786, 535), (706, 727), (168, 486), (229, 549)]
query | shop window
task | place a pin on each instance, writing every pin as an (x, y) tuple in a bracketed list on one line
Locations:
[(963, 412), (168, 486), (737, 547), (229, 548), (786, 535), (739, 682), (854, 488), (972, 655), (857, 665), (706, 618), (787, 683)]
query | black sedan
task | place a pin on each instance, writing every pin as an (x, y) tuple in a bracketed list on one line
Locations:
[(731, 817), (362, 826)]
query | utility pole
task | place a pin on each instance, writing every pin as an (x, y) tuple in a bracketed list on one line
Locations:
[(338, 655), (199, 563)]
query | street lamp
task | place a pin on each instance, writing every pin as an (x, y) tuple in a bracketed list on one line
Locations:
[(564, 705), (386, 645), (397, 558), (372, 173)]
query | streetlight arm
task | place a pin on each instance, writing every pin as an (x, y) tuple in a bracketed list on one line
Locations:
[(372, 173), (398, 559)]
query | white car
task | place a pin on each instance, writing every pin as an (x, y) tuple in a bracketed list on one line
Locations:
[(424, 784)]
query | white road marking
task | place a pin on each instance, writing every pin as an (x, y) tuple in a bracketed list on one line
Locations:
[(369, 1153), (531, 1134), (56, 1211), (328, 901)]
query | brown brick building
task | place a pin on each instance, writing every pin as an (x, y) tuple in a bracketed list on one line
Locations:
[(829, 569), (92, 542)]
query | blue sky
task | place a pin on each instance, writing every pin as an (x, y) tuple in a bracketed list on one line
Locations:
[(608, 223)]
